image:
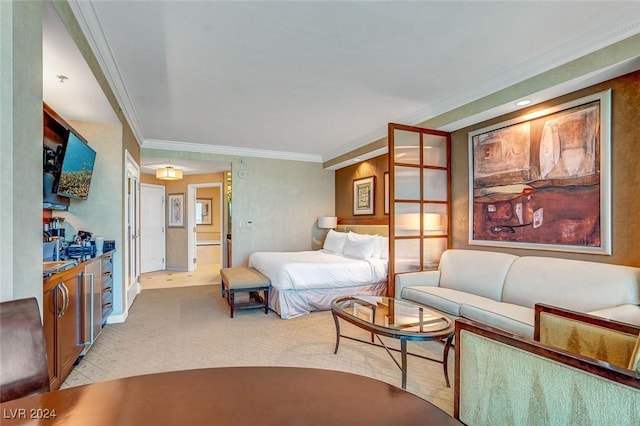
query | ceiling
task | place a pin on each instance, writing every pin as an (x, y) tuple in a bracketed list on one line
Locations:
[(309, 80)]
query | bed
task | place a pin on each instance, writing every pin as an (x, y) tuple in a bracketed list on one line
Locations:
[(301, 282)]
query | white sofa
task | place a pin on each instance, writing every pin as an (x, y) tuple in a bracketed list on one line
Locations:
[(501, 289)]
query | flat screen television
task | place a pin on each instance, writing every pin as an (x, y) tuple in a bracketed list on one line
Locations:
[(76, 168)]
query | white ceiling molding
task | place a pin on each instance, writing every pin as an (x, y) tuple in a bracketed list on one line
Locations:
[(363, 140), (88, 20), (576, 84), (621, 29), (550, 93), (229, 150), (362, 157), (582, 44)]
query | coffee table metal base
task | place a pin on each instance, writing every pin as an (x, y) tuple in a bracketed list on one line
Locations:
[(403, 351)]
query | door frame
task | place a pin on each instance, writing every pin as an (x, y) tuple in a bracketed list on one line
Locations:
[(131, 246), (191, 221)]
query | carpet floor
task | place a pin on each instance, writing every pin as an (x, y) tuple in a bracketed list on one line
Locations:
[(183, 328)]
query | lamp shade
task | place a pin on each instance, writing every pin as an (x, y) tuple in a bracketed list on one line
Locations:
[(432, 222), (327, 222), (168, 173), (411, 221)]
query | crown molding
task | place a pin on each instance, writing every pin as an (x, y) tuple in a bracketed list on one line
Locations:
[(229, 150), (621, 29), (595, 40), (601, 38), (360, 158), (91, 27)]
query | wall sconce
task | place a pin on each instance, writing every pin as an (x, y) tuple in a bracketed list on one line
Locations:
[(327, 222), (168, 173)]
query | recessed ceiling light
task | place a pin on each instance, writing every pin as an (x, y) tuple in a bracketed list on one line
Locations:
[(523, 102), (355, 160)]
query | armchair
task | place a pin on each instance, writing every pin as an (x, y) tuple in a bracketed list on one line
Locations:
[(592, 336), (578, 369)]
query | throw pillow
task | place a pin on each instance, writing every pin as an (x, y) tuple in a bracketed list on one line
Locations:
[(359, 248), (335, 241)]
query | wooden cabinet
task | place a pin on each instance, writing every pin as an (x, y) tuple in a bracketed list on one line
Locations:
[(62, 310), (107, 285)]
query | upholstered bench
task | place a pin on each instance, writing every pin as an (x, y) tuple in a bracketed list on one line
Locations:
[(245, 279)]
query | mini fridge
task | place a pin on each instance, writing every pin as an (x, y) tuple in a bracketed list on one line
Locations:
[(91, 303)]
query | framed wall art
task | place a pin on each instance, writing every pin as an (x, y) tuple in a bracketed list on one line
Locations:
[(542, 181), (175, 214), (363, 195)]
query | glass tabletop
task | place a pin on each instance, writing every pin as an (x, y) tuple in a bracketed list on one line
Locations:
[(394, 316)]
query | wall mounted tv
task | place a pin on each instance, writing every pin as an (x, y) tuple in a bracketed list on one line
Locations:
[(76, 161)]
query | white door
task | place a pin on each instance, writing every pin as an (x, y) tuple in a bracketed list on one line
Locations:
[(152, 232)]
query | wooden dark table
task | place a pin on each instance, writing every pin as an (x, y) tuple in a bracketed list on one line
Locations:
[(234, 395)]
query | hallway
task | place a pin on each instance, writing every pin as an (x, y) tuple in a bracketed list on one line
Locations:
[(204, 275)]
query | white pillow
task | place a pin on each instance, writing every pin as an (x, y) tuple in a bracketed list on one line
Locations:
[(335, 241), (356, 236), (358, 247), (383, 243), (381, 246)]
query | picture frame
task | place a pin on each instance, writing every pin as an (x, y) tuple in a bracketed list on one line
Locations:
[(386, 193), (204, 214), (364, 196), (542, 181), (175, 210)]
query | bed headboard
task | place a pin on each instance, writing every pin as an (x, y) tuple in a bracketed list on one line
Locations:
[(382, 230)]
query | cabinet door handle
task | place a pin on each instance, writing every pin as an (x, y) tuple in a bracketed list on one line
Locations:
[(59, 295), (65, 292)]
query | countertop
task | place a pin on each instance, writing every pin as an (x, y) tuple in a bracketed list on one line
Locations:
[(72, 265)]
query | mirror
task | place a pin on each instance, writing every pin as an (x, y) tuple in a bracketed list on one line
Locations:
[(203, 211)]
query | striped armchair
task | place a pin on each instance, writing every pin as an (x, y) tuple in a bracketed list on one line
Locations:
[(578, 369)]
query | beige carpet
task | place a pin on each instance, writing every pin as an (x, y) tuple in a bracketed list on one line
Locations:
[(189, 327), (203, 275)]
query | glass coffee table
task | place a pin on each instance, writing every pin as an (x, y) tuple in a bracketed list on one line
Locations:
[(398, 319)]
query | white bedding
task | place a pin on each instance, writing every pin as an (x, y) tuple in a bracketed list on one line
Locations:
[(305, 270), (308, 281)]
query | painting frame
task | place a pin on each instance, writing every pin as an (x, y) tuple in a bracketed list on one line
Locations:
[(204, 214), (175, 210), (364, 196), (516, 167)]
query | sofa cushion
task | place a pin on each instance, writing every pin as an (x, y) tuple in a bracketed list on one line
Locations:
[(445, 300), (572, 284), (474, 271), (505, 316), (623, 313), (422, 278)]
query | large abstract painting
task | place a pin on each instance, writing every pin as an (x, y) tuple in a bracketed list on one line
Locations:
[(542, 181)]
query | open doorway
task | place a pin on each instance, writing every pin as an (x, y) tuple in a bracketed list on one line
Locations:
[(207, 224), (202, 225)]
